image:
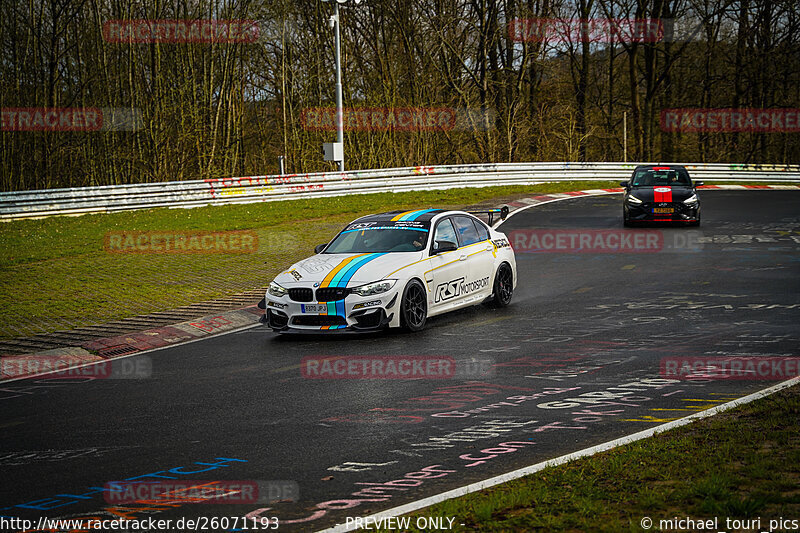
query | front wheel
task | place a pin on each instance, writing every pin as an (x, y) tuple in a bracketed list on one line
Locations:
[(626, 221), (414, 306), (503, 286)]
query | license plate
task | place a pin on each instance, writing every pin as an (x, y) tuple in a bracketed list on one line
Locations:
[(662, 210), (314, 308)]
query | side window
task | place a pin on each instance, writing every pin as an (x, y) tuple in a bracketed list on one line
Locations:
[(466, 230), (483, 233), (444, 232)]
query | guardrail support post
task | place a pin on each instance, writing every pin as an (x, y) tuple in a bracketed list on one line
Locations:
[(339, 110)]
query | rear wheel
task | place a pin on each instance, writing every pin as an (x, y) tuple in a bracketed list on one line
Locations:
[(414, 306), (503, 286)]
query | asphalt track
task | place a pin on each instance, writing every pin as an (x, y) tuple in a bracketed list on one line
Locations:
[(599, 324)]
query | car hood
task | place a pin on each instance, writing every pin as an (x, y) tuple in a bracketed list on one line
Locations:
[(351, 269), (662, 193)]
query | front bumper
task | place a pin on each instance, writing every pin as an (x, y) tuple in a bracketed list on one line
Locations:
[(645, 212), (352, 314)]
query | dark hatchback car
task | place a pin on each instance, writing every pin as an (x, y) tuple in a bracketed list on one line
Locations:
[(661, 193)]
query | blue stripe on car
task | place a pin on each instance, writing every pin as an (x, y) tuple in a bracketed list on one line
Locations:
[(343, 277), (415, 214)]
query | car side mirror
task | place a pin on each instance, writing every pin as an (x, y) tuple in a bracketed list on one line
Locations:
[(623, 184), (318, 248), (698, 183), (444, 246)]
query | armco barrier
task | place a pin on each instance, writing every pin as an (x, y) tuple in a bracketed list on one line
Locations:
[(27, 204)]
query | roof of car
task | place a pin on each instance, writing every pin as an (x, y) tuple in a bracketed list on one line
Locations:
[(417, 215), (640, 167)]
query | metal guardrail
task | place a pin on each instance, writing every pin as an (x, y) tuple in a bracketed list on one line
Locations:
[(185, 194)]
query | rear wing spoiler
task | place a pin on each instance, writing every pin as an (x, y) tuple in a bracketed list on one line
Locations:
[(502, 212)]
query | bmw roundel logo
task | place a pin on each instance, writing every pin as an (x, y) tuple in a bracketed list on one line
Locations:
[(316, 285)]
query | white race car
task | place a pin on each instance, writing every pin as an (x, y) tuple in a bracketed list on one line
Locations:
[(394, 270)]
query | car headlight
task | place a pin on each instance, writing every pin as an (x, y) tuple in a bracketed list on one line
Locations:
[(376, 287), (633, 200), (692, 200), (276, 290)]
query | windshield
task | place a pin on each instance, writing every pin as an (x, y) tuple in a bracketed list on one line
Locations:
[(379, 237), (661, 176)]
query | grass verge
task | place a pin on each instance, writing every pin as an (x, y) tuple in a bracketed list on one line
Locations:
[(741, 464)]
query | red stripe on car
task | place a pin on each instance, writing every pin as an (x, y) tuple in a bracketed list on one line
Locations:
[(662, 194)]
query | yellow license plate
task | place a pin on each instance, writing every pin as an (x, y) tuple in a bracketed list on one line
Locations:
[(662, 210)]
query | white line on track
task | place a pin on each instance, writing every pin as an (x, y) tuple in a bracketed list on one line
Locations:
[(111, 360), (497, 480), (590, 195)]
